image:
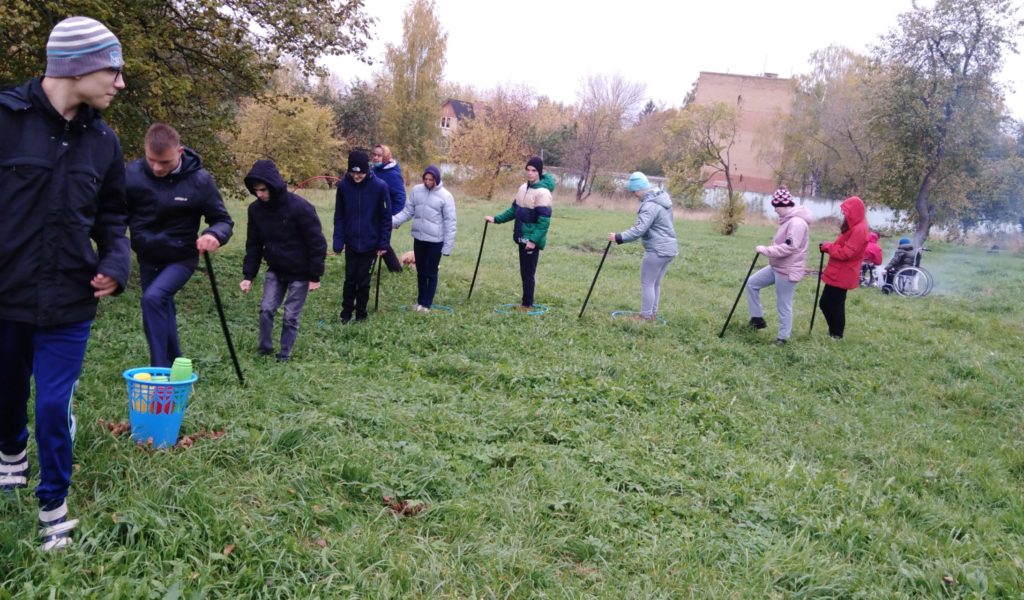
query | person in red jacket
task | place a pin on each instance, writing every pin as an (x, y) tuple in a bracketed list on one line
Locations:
[(872, 258), (843, 270)]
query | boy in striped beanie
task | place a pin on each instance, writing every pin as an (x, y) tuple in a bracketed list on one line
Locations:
[(65, 247)]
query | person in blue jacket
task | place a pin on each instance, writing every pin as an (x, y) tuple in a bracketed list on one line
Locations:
[(387, 169), (284, 230), (168, 192), (362, 229), (62, 191)]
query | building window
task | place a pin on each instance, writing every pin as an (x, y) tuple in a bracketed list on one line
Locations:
[(446, 122)]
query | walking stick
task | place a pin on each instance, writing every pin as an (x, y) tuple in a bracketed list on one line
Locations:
[(601, 264), (376, 297), (814, 307), (749, 271), (223, 321), (477, 268)]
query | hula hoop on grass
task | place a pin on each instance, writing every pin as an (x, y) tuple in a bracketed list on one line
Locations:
[(438, 309), (510, 309), (625, 314)]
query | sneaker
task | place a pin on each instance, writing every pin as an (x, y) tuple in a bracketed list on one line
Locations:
[(282, 358), (55, 527), (421, 309), (523, 308), (836, 337), (265, 351), (758, 322), (13, 471), (780, 342)]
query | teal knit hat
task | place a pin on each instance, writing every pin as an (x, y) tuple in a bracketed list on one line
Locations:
[(638, 182)]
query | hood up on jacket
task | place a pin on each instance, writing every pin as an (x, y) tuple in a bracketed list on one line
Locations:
[(435, 172), (265, 171), (854, 211)]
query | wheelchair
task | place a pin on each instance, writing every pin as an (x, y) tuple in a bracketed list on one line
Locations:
[(913, 282)]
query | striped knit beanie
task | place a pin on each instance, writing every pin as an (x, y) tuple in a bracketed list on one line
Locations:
[(79, 46), (782, 197)]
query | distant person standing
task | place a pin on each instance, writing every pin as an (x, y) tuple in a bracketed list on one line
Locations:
[(62, 190), (843, 270), (787, 264), (284, 230), (531, 209), (362, 229), (432, 210), (654, 226), (387, 169), (169, 191)]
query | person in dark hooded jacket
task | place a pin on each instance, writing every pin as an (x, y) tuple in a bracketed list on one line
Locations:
[(905, 256), (362, 229), (284, 230), (168, 192), (843, 270), (61, 190)]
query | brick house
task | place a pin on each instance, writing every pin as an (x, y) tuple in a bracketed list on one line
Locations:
[(762, 100), (453, 111)]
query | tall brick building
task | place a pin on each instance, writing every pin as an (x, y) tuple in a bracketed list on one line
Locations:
[(762, 100)]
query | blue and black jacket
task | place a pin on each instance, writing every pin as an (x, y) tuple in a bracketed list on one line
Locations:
[(362, 215)]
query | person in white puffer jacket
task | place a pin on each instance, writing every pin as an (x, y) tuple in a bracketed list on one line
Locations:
[(432, 210), (787, 256)]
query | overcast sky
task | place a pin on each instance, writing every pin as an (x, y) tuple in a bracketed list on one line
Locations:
[(550, 46)]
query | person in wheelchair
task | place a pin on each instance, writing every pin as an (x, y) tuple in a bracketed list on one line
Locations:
[(872, 258), (905, 256)]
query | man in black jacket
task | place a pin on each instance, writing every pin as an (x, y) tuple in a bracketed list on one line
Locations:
[(362, 229), (168, 192), (284, 230), (61, 190)]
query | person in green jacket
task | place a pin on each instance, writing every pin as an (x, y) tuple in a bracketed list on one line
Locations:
[(531, 209)]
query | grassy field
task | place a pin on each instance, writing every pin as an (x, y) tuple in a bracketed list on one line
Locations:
[(556, 457)]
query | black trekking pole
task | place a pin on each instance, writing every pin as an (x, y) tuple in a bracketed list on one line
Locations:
[(478, 256), (376, 296), (601, 264), (749, 271), (814, 307), (223, 321)]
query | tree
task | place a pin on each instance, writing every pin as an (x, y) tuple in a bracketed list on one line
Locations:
[(495, 139), (937, 102), (356, 108), (188, 62), (409, 116), (828, 148), (699, 142), (605, 104), (294, 132)]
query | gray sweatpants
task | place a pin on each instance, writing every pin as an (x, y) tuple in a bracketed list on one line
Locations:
[(652, 271), (784, 289)]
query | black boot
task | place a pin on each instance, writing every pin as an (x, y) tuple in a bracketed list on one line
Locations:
[(758, 322)]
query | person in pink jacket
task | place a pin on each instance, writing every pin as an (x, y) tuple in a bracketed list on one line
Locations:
[(872, 258), (843, 270), (787, 256)]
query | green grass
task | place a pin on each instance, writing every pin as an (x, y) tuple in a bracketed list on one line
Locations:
[(561, 458)]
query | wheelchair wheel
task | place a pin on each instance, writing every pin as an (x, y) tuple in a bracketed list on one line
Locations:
[(912, 281)]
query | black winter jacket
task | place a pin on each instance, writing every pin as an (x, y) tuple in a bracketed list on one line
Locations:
[(362, 215), (285, 231), (61, 189), (164, 212)]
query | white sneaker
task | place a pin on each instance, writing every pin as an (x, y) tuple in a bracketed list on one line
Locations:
[(422, 309), (13, 470), (55, 527)]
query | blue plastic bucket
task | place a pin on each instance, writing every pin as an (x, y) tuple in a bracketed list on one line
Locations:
[(156, 408)]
